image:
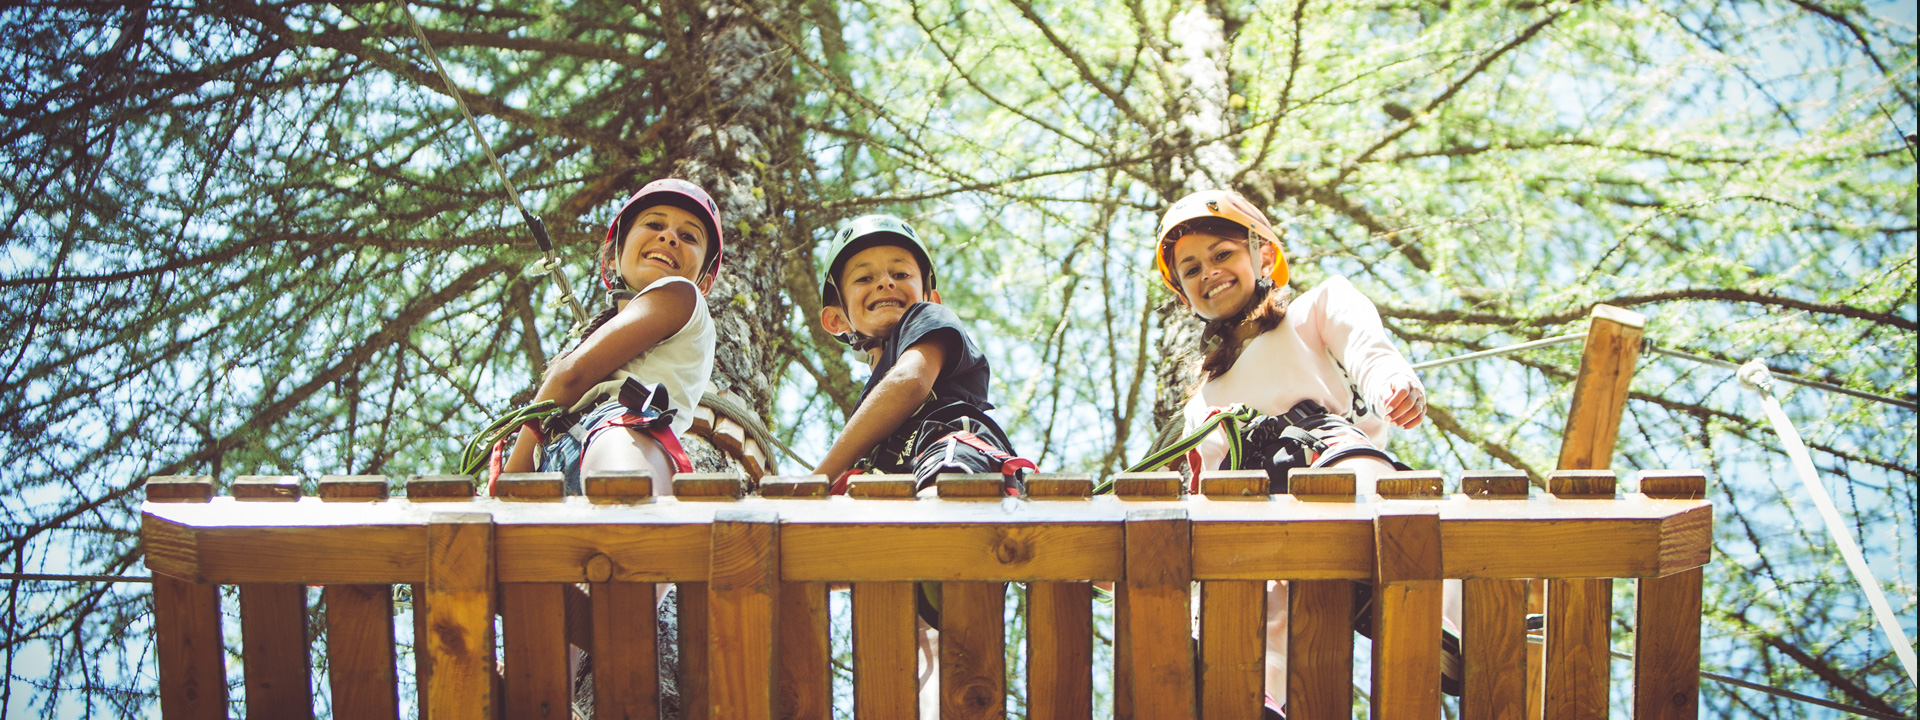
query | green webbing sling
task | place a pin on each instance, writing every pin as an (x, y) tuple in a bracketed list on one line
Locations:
[(474, 454), (1234, 417)]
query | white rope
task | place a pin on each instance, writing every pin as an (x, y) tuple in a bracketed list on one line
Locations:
[(1443, 362), (1755, 375)]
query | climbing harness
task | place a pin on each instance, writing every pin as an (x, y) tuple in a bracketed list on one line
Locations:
[(1756, 376), (1306, 435), (548, 265)]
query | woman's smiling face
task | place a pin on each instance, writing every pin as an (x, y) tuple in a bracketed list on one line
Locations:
[(663, 241), (1216, 274)]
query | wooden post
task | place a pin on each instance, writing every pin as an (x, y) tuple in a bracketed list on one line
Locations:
[(360, 658), (459, 632), (533, 623), (744, 611), (1159, 621), (430, 489), (1060, 626), (973, 650), (1493, 623), (273, 624), (1593, 428), (1666, 637), (805, 690), (186, 624), (1579, 617), (884, 682), (622, 615), (1133, 486), (1406, 612), (1320, 617)]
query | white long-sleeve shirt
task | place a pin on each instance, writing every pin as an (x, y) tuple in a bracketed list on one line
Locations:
[(1331, 323)]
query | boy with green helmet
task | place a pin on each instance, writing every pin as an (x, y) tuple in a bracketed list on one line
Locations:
[(924, 410)]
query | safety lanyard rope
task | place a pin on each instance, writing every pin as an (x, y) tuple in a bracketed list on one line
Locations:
[(475, 452), (1755, 375), (1234, 417), (548, 264)]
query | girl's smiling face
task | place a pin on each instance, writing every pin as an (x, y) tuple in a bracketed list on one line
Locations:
[(663, 241), (1216, 274)]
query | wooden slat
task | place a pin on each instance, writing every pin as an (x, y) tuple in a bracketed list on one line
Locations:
[(803, 486), (709, 486), (1059, 650), (273, 638), (626, 679), (969, 486), (966, 551), (1322, 484), (179, 488), (1666, 638), (973, 654), (459, 630), (617, 486), (753, 459), (1494, 641), (744, 611), (805, 682), (702, 421), (881, 486), (1415, 484), (1163, 485), (533, 622), (422, 657), (346, 488), (273, 624), (695, 667), (1583, 484), (1577, 677), (1406, 612), (1234, 485), (431, 488), (360, 659), (1122, 654), (728, 436), (1159, 575), (1494, 484), (534, 486), (884, 686), (193, 670), (1233, 647), (1320, 648), (1059, 485)]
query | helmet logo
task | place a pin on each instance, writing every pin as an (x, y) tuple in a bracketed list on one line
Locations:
[(1213, 206)]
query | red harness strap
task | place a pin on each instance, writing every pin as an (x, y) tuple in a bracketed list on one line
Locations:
[(650, 427), (1008, 464), (840, 485)]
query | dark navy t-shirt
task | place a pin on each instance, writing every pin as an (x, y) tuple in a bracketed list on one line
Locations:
[(965, 377)]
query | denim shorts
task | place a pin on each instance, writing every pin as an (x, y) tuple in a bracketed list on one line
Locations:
[(565, 451)]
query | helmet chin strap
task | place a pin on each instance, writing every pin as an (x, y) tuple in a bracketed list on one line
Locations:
[(1222, 326)]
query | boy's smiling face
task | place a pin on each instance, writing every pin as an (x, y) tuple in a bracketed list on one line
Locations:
[(877, 285)]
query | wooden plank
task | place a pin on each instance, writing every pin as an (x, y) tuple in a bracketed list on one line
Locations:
[(459, 632), (744, 610), (753, 459), (803, 486), (1406, 612), (1159, 575), (973, 650), (1059, 485), (267, 488), (273, 624), (422, 657), (360, 658), (702, 421), (534, 486), (343, 488), (533, 624), (1666, 638), (1233, 647), (193, 669), (1600, 389), (1162, 485), (626, 673), (1583, 484), (1493, 622), (805, 673), (970, 552), (1494, 641), (695, 666), (884, 684), (1059, 650), (1322, 484), (1494, 484), (1579, 613), (610, 487), (1122, 654), (440, 488), (969, 486), (709, 486), (1234, 485), (638, 553), (881, 486), (728, 436), (179, 488), (1299, 550), (1410, 485), (1320, 648), (273, 638)]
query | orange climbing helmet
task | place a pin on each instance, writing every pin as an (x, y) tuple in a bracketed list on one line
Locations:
[(1226, 205)]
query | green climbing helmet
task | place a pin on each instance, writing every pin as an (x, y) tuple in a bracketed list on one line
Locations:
[(871, 231)]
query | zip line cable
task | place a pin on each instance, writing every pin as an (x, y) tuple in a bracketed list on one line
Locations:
[(549, 264), (1750, 685), (1457, 359), (1756, 376), (1783, 377)]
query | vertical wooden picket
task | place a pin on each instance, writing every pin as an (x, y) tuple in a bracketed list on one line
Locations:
[(1159, 578), (1493, 620), (1666, 637), (1319, 616), (186, 623), (273, 624)]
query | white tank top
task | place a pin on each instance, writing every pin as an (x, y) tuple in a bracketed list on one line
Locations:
[(682, 364)]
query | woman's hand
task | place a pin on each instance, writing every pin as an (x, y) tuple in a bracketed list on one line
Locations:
[(1406, 403)]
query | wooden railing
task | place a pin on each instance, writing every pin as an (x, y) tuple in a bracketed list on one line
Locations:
[(754, 571)]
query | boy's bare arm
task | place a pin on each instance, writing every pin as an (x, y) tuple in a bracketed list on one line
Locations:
[(891, 403)]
